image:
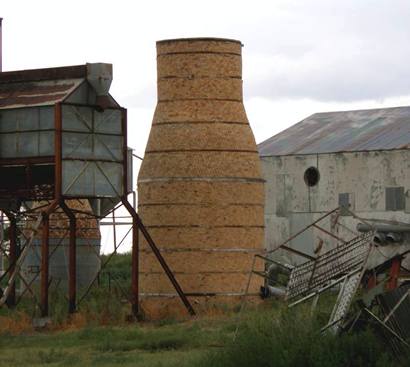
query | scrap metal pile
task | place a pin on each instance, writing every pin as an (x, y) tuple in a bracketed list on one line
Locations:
[(366, 271)]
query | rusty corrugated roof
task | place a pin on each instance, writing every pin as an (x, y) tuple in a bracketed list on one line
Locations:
[(348, 131), (39, 87), (38, 93)]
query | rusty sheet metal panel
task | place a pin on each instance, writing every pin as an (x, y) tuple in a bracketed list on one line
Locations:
[(27, 132), (92, 152), (35, 93), (349, 131)]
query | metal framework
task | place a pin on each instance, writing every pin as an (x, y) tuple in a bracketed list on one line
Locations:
[(352, 263), (57, 193)]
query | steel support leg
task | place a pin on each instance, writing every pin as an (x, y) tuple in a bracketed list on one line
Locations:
[(136, 219), (72, 263), (135, 269), (45, 245), (72, 259), (11, 299), (134, 261), (394, 274)]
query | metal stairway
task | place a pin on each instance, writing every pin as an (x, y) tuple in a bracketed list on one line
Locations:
[(316, 274), (344, 300), (344, 265)]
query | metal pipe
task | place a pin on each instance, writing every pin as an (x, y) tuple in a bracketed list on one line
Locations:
[(137, 156), (114, 229), (379, 238), (394, 237), (381, 227), (276, 291)]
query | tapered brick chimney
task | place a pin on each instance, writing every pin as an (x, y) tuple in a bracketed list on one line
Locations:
[(200, 185)]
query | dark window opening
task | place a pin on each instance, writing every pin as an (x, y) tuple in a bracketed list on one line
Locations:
[(346, 203), (12, 177), (26, 177), (311, 176), (42, 174), (395, 199)]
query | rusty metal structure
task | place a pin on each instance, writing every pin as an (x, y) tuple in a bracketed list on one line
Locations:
[(200, 186), (63, 137), (366, 268)]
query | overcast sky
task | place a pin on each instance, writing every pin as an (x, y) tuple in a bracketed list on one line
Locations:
[(299, 56)]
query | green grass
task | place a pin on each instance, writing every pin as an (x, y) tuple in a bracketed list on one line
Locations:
[(119, 268), (293, 339), (133, 345), (100, 336), (271, 336)]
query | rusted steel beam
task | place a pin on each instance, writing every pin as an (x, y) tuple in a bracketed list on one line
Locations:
[(158, 255), (329, 233), (394, 274), (297, 252), (12, 258), (135, 269), (26, 161), (282, 246), (11, 299), (45, 247), (72, 259), (134, 260)]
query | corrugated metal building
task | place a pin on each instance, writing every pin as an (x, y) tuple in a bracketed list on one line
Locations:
[(356, 158), (91, 159)]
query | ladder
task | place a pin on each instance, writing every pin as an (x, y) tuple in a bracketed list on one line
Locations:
[(344, 265), (343, 302), (313, 275)]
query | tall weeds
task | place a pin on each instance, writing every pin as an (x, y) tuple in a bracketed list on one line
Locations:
[(293, 339)]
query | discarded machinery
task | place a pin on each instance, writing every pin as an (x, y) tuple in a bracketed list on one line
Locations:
[(370, 261), (200, 185)]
